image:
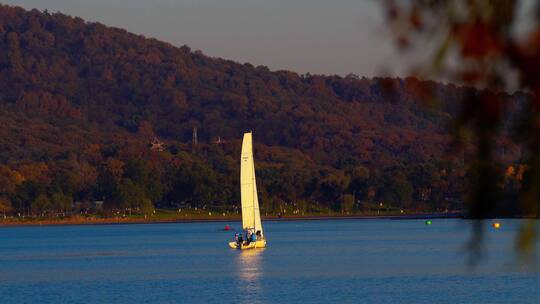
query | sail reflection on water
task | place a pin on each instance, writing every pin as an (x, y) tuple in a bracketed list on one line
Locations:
[(249, 268)]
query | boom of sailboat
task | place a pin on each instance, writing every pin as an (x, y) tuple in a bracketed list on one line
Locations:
[(253, 235)]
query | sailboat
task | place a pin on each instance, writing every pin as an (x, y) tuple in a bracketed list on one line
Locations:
[(253, 236)]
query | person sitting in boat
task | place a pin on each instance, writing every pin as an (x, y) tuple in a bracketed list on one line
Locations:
[(258, 234), (248, 238), (253, 237), (240, 239)]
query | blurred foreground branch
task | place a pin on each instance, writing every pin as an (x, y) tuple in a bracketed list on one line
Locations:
[(492, 45)]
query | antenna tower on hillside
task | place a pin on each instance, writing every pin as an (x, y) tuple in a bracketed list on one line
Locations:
[(195, 140)]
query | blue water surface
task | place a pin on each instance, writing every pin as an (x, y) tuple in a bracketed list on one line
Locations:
[(336, 261)]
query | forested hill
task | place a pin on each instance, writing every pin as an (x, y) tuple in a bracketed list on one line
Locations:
[(82, 103)]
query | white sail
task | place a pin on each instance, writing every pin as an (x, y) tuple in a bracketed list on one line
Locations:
[(251, 217)]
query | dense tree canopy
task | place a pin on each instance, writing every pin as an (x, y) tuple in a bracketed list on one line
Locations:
[(92, 113)]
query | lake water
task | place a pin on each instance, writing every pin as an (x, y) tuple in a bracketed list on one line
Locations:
[(340, 261)]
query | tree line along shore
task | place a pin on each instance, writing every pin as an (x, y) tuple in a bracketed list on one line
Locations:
[(90, 113)]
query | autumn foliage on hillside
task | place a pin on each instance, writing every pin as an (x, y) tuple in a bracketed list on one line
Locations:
[(81, 103)]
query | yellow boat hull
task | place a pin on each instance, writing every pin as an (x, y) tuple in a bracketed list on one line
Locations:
[(252, 245)]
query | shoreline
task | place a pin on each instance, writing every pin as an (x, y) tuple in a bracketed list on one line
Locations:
[(77, 221)]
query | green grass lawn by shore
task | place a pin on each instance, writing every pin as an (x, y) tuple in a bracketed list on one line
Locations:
[(171, 215)]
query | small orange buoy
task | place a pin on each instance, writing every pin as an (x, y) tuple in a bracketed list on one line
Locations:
[(496, 225), (227, 228)]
